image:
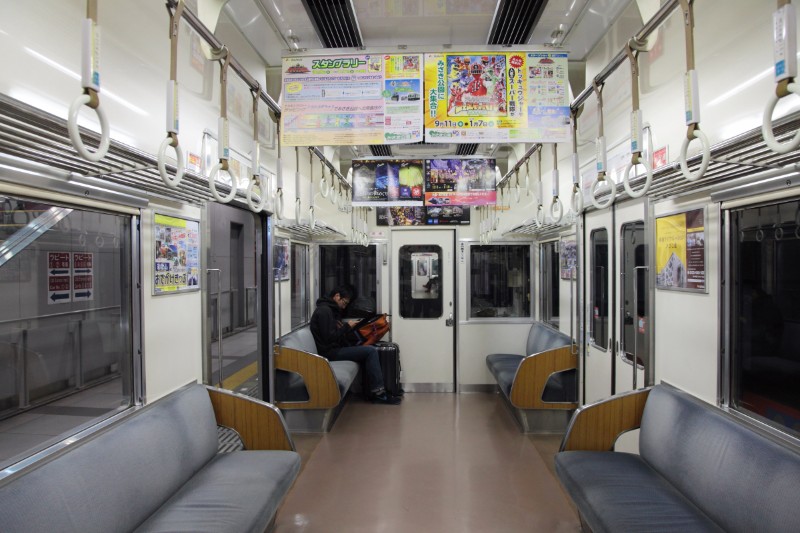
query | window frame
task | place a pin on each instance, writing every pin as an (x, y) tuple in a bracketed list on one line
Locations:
[(305, 284), (592, 337), (531, 285), (131, 313), (380, 259), (548, 271)]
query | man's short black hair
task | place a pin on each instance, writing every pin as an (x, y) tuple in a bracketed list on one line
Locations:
[(343, 292)]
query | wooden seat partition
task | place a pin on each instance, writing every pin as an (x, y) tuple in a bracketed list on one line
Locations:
[(532, 376), (323, 391), (259, 424)]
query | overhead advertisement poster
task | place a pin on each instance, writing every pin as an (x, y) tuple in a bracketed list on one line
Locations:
[(460, 182), (681, 251), (386, 182), (422, 216), (342, 99), (496, 97)]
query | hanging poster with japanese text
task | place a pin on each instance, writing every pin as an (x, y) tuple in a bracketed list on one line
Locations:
[(343, 99), (460, 182), (496, 97), (177, 255), (387, 182), (681, 251)]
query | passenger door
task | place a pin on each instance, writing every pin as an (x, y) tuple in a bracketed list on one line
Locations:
[(233, 282), (423, 307), (599, 282), (632, 295)]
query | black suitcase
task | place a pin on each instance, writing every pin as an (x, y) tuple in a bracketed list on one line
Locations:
[(389, 356)]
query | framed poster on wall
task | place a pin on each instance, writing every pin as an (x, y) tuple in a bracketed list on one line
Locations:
[(177, 254), (568, 254), (282, 258), (681, 251)]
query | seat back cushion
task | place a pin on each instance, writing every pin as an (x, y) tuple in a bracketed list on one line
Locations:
[(542, 337), (503, 367), (742, 480), (117, 478), (299, 339)]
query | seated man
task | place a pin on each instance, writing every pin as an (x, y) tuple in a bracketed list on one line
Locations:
[(331, 337)]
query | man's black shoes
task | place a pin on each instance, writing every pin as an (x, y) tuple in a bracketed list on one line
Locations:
[(385, 398)]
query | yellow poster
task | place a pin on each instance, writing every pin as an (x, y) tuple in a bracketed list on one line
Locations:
[(476, 97), (680, 251)]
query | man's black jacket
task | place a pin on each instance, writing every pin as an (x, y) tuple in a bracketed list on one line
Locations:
[(327, 327)]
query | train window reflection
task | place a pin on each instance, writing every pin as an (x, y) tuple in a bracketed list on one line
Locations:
[(500, 280), (420, 281), (598, 294), (65, 326), (299, 285), (765, 318), (354, 266)]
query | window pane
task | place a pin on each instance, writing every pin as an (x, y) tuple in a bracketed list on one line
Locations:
[(765, 316), (598, 302), (353, 266), (634, 324), (299, 285), (65, 331), (500, 281), (420, 282), (548, 292)]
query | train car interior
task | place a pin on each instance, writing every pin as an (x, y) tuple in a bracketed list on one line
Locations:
[(401, 265)]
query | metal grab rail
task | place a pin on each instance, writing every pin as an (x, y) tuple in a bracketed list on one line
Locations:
[(209, 271)]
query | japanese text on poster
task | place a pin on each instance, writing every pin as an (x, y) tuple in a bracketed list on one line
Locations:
[(345, 99), (496, 97), (70, 277), (177, 255), (460, 182), (681, 251)]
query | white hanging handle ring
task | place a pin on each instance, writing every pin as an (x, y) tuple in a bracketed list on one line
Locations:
[(577, 199), (171, 181), (75, 135), (556, 210), (612, 187), (262, 197), (697, 134), (648, 179), (766, 126), (212, 183)]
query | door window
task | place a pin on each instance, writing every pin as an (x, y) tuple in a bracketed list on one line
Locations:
[(420, 281), (549, 282), (598, 292), (634, 293)]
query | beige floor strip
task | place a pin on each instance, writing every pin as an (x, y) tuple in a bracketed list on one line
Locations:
[(438, 463)]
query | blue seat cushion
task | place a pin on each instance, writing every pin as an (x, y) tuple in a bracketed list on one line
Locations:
[(503, 367), (238, 491), (619, 492)]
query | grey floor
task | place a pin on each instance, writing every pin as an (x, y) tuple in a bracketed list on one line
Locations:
[(436, 463)]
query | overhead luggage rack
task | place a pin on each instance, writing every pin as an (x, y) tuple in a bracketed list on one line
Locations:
[(34, 135), (302, 229)]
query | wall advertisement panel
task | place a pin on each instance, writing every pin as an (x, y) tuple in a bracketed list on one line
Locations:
[(342, 99), (177, 255), (460, 182), (422, 216), (681, 251), (496, 97), (388, 182)]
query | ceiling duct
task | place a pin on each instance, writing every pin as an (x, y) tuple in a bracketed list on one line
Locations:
[(466, 149), (514, 21), (380, 150), (335, 22)]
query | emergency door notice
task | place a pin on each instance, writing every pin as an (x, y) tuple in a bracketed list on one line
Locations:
[(70, 277)]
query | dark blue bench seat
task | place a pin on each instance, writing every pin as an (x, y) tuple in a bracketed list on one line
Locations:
[(309, 389), (540, 385), (698, 468)]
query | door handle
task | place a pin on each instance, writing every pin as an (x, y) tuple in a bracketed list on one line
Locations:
[(449, 322)]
